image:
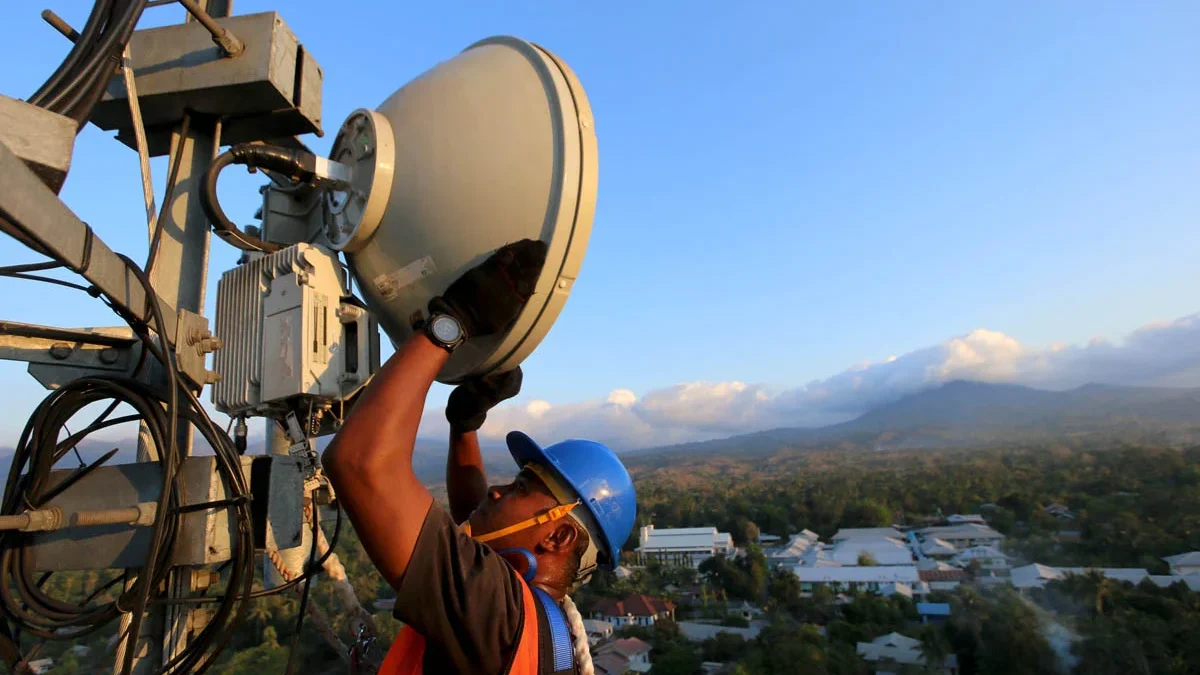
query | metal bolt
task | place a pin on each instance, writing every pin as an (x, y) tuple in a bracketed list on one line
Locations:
[(209, 345), (211, 377), (108, 355), (60, 350)]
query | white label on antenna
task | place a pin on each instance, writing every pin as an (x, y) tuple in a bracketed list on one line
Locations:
[(389, 285)]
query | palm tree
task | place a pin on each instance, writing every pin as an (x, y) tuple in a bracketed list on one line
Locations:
[(260, 614), (934, 647), (1103, 592)]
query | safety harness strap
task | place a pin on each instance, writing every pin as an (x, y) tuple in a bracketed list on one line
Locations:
[(561, 656)]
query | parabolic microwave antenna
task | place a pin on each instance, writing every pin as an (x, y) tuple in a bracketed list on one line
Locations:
[(490, 147)]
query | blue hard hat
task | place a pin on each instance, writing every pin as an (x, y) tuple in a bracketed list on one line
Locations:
[(595, 473)]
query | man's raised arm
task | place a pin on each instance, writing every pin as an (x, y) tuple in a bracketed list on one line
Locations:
[(466, 411), (369, 462)]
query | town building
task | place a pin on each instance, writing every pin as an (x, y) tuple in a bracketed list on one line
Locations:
[(933, 612), (942, 579), (1184, 563), (883, 550), (693, 631), (1038, 575), (793, 552), (938, 548), (1192, 581), (41, 666), (597, 630), (1059, 511), (963, 536), (895, 653), (635, 610), (876, 579), (630, 653), (745, 610), (986, 557), (683, 547), (860, 532), (959, 519)]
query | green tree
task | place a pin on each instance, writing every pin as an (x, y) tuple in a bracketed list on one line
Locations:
[(783, 590), (723, 648), (865, 559), (744, 532), (677, 660)]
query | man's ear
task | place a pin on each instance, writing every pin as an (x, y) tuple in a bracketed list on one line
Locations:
[(561, 538)]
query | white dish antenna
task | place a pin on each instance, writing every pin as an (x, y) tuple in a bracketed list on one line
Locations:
[(491, 147)]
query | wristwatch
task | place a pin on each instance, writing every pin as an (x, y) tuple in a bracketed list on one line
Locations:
[(445, 331)]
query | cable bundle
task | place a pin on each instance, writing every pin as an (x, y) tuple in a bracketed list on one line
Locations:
[(80, 80), (28, 487)]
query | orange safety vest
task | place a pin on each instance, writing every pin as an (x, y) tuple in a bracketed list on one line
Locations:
[(407, 654)]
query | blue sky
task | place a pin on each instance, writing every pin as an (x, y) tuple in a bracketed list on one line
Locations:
[(786, 189)]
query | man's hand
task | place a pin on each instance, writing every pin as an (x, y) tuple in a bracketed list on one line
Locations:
[(488, 298), (470, 401)]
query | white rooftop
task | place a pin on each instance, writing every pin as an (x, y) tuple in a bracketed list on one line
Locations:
[(1166, 581), (897, 640), (885, 550), (980, 552), (795, 548), (951, 533), (906, 574), (856, 532), (897, 648), (1038, 574), (683, 539), (1191, 558), (699, 632), (936, 546), (966, 518)]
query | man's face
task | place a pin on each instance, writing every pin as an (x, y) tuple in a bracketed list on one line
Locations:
[(524, 498)]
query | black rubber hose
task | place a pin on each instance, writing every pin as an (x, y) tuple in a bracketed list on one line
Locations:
[(297, 165)]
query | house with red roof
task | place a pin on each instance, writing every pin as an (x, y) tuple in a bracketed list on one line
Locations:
[(624, 655), (635, 610)]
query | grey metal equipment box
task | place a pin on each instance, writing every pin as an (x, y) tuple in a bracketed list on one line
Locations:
[(270, 91)]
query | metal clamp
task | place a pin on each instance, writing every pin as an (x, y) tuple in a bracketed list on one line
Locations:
[(301, 448)]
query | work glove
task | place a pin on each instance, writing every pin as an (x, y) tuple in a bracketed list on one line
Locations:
[(487, 299), (470, 401)]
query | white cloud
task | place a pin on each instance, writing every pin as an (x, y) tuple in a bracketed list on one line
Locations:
[(1157, 354)]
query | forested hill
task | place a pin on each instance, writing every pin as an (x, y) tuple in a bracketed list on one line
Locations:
[(973, 413), (957, 414)]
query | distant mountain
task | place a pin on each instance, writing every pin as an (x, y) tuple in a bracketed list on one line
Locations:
[(967, 413), (955, 414), (974, 407)]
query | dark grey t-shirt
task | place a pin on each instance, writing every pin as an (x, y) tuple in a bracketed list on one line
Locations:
[(463, 598)]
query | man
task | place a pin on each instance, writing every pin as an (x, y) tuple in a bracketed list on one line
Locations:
[(473, 607)]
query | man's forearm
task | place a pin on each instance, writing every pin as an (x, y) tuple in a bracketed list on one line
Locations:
[(381, 430), (369, 461), (466, 479)]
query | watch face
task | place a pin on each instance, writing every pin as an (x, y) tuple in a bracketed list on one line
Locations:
[(445, 329)]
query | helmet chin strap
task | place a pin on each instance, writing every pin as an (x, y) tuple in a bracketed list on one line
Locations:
[(553, 514)]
